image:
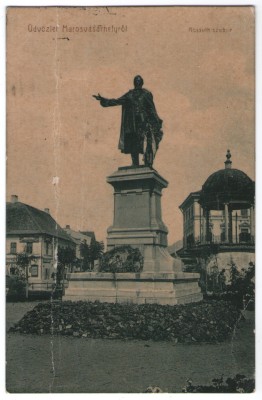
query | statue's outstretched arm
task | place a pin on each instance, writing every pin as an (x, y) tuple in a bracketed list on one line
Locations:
[(110, 102)]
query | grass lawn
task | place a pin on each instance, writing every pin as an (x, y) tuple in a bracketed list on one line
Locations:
[(61, 364)]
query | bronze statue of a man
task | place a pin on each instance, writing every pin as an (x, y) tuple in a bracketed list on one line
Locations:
[(141, 127)]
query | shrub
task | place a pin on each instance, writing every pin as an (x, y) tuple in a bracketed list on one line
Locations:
[(240, 289), (242, 285), (238, 384), (17, 287)]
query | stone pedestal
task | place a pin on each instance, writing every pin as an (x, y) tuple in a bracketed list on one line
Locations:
[(138, 217), (138, 222)]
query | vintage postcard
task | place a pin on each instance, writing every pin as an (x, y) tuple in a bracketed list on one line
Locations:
[(130, 209)]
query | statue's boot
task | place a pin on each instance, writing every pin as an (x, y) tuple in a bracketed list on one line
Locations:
[(135, 159)]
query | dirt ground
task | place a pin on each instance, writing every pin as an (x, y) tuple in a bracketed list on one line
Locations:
[(46, 364)]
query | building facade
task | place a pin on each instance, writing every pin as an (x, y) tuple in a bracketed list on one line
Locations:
[(36, 233), (195, 225)]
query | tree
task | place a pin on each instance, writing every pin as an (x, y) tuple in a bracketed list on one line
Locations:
[(23, 261), (90, 253), (96, 251), (85, 254), (66, 257)]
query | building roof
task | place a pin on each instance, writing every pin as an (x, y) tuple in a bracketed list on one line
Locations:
[(91, 234), (24, 219), (227, 185), (77, 236), (233, 182), (173, 248), (189, 200)]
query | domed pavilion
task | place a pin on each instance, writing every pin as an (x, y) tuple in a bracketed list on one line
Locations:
[(220, 217), (231, 192)]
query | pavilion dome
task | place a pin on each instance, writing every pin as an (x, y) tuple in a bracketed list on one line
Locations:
[(228, 185)]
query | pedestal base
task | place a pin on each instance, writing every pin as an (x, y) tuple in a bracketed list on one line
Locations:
[(143, 288)]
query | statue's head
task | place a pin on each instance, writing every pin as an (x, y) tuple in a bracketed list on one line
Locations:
[(138, 81)]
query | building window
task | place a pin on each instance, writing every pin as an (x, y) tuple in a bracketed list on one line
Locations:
[(46, 273), (244, 235), (12, 269), (34, 271), (244, 212), (29, 248), (13, 248), (48, 248)]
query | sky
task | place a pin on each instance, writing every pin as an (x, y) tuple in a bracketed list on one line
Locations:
[(61, 145)]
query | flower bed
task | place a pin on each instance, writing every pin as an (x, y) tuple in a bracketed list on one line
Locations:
[(122, 259), (197, 322)]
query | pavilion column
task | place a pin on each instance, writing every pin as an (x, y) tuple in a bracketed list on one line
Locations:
[(204, 225), (200, 224), (236, 227), (184, 237), (230, 229), (226, 222), (207, 226), (252, 223)]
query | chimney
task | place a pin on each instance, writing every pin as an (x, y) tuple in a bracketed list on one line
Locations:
[(67, 227), (47, 210), (14, 198)]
